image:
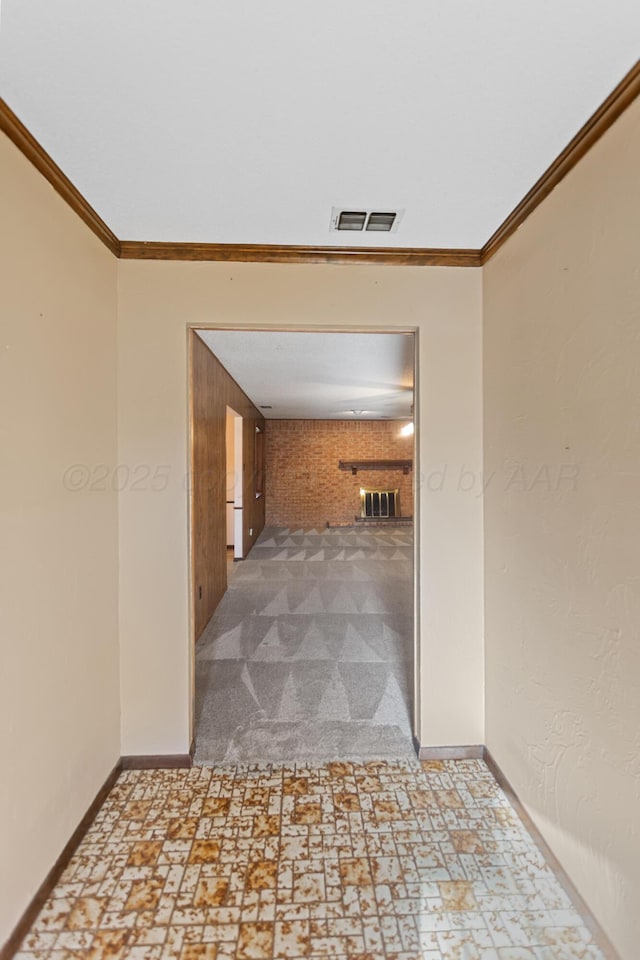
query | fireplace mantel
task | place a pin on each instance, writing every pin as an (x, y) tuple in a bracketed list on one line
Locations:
[(355, 465)]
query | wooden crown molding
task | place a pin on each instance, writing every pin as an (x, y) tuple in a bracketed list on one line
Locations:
[(597, 125), (274, 253), (616, 103), (38, 156)]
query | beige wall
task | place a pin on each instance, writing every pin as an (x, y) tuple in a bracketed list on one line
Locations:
[(59, 698), (156, 303), (562, 390)]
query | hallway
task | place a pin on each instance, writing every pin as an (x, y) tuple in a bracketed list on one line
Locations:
[(309, 655)]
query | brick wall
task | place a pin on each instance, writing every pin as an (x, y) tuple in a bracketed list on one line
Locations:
[(304, 486)]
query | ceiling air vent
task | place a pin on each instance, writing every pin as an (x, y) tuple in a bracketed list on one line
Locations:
[(351, 220), (381, 221), (371, 221)]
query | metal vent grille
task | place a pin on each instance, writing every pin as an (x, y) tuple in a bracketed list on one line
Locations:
[(382, 222), (351, 220), (370, 221), (379, 503)]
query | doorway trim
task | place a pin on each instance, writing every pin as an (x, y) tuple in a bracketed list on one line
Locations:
[(192, 329)]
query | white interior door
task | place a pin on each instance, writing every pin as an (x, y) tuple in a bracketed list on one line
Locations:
[(237, 499)]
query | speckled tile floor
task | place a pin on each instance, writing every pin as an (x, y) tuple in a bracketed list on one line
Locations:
[(369, 860)]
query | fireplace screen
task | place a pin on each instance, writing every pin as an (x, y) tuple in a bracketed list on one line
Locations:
[(379, 503)]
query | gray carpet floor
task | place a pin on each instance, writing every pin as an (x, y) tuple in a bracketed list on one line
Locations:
[(309, 655)]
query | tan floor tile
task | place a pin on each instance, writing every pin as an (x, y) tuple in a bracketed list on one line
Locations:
[(389, 861), (144, 895), (199, 951), (39, 942), (108, 945), (216, 806), (261, 875), (85, 914), (355, 871), (80, 940), (255, 941), (294, 848), (347, 802), (144, 853), (466, 841), (136, 810), (292, 939), (204, 851), (295, 786), (449, 799), (53, 915), (368, 784), (255, 797), (211, 892), (457, 895), (309, 888), (483, 789), (182, 829), (266, 825), (387, 810), (308, 812)]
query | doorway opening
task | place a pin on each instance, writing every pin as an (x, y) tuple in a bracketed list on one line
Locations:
[(233, 459), (311, 650)]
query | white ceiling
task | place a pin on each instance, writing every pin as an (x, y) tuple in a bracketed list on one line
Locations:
[(246, 121), (320, 375)]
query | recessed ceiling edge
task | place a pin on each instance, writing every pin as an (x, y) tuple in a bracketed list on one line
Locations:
[(596, 126)]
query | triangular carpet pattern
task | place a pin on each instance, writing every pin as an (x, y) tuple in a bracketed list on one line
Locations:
[(309, 655)]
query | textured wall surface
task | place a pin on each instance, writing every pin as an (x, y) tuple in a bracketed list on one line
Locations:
[(59, 700), (156, 303), (562, 522), (305, 485)]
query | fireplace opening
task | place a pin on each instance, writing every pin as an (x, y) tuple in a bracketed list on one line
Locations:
[(379, 504)]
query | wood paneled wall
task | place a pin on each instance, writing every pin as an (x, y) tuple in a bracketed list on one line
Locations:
[(212, 390)]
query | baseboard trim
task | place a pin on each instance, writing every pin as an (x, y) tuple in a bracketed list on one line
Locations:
[(24, 924), (470, 752), (565, 881), (159, 761)]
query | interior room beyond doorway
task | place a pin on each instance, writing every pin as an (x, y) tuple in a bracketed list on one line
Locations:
[(309, 648)]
